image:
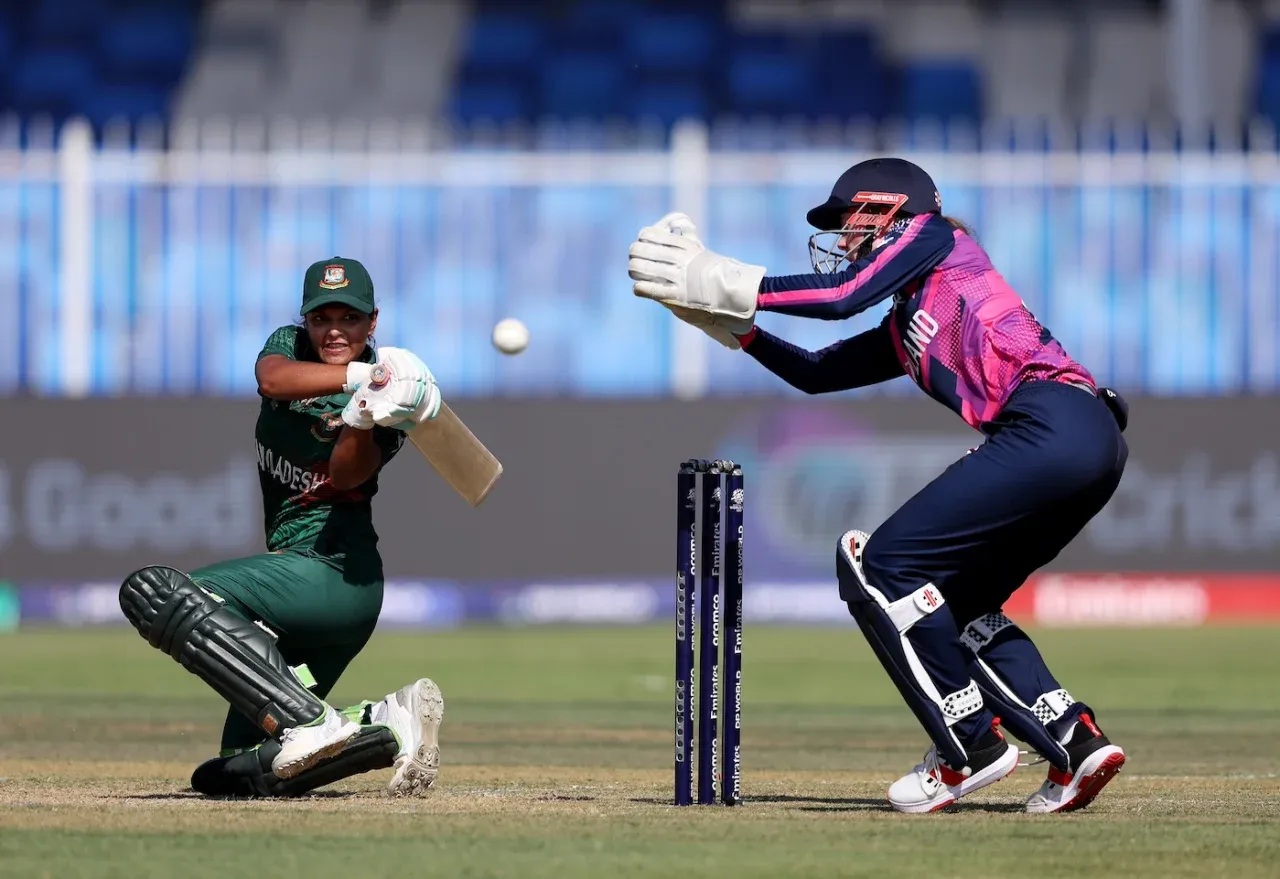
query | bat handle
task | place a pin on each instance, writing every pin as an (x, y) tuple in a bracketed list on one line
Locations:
[(379, 376)]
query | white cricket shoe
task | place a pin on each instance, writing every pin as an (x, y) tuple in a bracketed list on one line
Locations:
[(1094, 761), (414, 713), (934, 785), (302, 747)]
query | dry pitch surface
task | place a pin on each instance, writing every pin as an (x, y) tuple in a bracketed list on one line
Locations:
[(557, 762)]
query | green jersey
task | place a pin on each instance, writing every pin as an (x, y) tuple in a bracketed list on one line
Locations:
[(303, 511)]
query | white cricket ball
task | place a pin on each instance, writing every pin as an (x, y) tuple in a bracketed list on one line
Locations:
[(510, 336)]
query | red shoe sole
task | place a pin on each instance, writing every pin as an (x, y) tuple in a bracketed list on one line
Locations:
[(1093, 784)]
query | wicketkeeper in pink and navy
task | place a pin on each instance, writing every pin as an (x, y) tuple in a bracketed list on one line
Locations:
[(927, 587)]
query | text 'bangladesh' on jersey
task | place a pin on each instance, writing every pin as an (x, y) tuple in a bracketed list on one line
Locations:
[(302, 509)]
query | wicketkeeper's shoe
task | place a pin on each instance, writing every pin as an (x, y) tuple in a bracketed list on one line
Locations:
[(301, 747), (1094, 761), (414, 713), (934, 785)]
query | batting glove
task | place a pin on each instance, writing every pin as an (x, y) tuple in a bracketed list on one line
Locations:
[(356, 414)]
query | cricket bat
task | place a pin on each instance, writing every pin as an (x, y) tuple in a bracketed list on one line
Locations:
[(457, 455), (452, 449)]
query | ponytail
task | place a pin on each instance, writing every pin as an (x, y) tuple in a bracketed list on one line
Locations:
[(959, 226)]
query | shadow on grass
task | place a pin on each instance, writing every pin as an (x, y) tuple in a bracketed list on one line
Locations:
[(882, 806), (187, 795), (846, 804), (830, 801), (862, 803)]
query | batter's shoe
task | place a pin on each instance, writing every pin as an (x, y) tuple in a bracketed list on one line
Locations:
[(414, 714), (934, 785), (248, 774), (302, 747), (1094, 761)]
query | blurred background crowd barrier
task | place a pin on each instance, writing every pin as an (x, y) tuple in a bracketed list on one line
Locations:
[(136, 270), (168, 169)]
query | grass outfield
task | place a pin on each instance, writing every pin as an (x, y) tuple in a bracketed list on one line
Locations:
[(557, 762)]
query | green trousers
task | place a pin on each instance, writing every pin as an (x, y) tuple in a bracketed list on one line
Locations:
[(322, 618)]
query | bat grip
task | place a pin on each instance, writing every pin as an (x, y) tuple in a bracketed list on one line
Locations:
[(379, 376)]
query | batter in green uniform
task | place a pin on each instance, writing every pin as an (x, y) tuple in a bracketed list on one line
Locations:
[(272, 633)]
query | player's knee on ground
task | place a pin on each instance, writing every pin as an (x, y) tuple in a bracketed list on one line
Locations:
[(234, 656)]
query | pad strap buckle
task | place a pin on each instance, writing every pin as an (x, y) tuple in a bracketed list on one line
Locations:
[(982, 631), (1050, 706), (960, 704), (906, 612)]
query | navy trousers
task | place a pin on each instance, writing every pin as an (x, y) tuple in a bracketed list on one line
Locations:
[(1052, 460)]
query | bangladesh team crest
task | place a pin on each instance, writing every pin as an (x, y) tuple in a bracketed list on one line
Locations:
[(334, 277), (327, 428)]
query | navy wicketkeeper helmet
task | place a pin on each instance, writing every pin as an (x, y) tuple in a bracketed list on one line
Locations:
[(862, 204)]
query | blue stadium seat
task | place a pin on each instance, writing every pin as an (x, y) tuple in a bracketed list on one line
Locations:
[(66, 22), (595, 24), (601, 15), (150, 41), (845, 52), (1270, 43), (764, 42), (494, 99), (132, 101), (944, 92), (580, 60), (500, 7), (583, 84), (843, 101), (672, 41), (669, 101), (6, 55), (769, 82), (51, 80), (1268, 101), (505, 42), (850, 77)]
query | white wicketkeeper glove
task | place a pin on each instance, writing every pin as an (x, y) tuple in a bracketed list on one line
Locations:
[(708, 323), (669, 264)]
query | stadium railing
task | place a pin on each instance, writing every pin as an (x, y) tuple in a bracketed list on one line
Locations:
[(133, 267)]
